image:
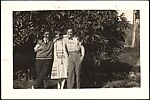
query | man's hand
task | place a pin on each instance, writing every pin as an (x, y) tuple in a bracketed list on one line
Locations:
[(37, 48), (82, 52), (81, 58)]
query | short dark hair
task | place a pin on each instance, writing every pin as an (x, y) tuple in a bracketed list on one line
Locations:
[(46, 30)]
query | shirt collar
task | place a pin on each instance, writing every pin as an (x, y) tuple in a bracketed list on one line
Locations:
[(71, 38), (46, 41)]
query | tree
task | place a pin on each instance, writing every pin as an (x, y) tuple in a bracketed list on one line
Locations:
[(136, 19), (102, 31)]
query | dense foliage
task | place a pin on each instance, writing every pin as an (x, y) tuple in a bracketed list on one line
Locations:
[(102, 31)]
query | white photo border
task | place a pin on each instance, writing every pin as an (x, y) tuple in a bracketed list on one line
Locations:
[(7, 8)]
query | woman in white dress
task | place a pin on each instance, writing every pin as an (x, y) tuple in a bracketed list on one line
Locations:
[(60, 64)]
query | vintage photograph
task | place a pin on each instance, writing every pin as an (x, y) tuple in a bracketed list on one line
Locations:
[(76, 49)]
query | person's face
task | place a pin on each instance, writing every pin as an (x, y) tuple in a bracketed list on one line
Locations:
[(57, 34), (69, 32), (46, 35)]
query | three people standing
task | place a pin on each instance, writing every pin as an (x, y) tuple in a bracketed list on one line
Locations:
[(68, 55)]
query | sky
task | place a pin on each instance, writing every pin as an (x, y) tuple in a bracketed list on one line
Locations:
[(128, 14)]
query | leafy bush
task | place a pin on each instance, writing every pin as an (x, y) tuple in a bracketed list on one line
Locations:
[(102, 32), (122, 84)]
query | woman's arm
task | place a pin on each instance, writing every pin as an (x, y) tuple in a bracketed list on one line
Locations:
[(55, 55)]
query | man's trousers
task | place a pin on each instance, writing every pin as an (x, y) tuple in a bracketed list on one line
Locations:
[(43, 69), (74, 64)]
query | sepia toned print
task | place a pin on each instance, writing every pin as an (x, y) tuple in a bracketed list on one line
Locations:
[(111, 54)]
